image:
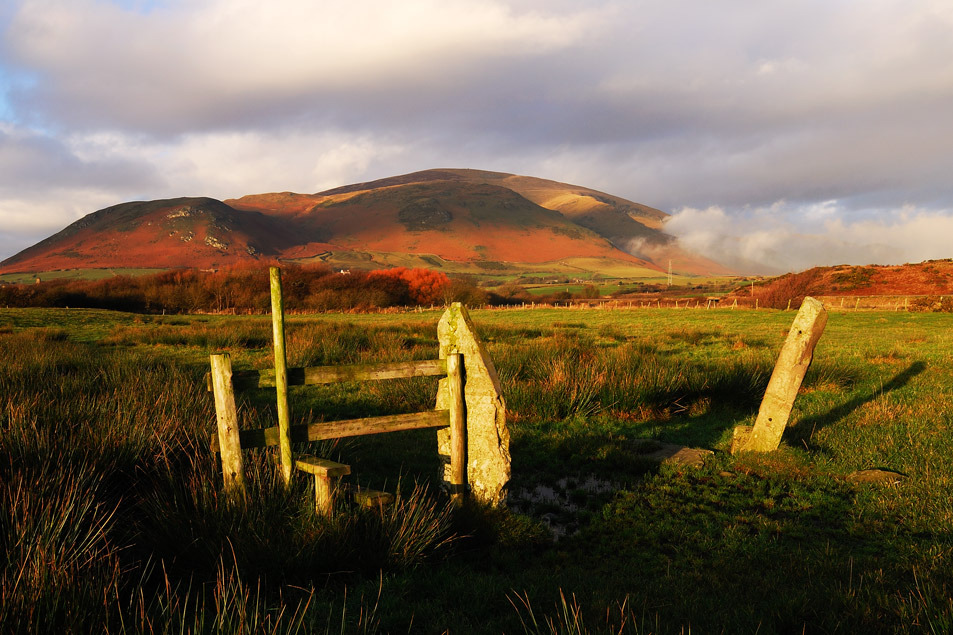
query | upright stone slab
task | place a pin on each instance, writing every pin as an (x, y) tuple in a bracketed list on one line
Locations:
[(488, 439), (793, 362)]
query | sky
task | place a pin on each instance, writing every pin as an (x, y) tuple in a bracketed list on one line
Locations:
[(779, 134)]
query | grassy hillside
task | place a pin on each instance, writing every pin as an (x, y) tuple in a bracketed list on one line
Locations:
[(113, 519)]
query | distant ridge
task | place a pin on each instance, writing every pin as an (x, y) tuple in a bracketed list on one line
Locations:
[(445, 217)]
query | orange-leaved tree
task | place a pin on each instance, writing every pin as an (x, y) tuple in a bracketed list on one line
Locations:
[(423, 285)]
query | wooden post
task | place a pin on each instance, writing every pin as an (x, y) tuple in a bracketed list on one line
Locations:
[(795, 358), (458, 428), (281, 374), (227, 417)]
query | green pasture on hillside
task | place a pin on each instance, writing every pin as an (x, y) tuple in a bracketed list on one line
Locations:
[(74, 274), (112, 518)]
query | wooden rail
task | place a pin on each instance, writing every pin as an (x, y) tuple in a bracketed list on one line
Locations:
[(318, 375), (265, 437)]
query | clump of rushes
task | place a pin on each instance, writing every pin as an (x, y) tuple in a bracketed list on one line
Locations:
[(59, 563)]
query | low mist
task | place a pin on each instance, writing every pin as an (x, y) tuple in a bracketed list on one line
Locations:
[(783, 238)]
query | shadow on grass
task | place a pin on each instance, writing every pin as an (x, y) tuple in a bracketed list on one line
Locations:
[(808, 426), (759, 550)]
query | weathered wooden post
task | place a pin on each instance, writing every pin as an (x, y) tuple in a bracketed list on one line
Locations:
[(227, 417), (281, 374), (458, 428), (795, 358), (487, 437)]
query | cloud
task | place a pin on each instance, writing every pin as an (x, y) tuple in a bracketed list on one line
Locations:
[(45, 184), (680, 105), (36, 162), (221, 63), (783, 238)]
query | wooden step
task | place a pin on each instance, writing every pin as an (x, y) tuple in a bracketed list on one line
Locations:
[(371, 497), (321, 467)]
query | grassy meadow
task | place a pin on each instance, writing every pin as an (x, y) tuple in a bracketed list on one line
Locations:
[(112, 517)]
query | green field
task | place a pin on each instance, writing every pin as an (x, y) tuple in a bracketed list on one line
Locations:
[(113, 518), (74, 274)]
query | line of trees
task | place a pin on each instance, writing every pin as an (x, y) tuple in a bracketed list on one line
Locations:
[(245, 288)]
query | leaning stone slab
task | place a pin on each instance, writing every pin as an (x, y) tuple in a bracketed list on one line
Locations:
[(795, 358), (488, 439)]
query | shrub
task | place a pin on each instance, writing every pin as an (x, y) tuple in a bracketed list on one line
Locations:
[(790, 289), (932, 304)]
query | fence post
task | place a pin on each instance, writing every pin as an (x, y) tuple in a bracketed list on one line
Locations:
[(458, 428), (281, 374), (226, 416)]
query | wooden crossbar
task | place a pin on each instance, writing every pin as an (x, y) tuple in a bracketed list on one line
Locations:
[(264, 437), (318, 375)]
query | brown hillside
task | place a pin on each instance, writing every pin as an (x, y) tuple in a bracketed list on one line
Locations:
[(181, 232), (453, 220), (456, 215), (933, 277), (630, 227)]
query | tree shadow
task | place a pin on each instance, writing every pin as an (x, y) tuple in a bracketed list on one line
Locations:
[(805, 428)]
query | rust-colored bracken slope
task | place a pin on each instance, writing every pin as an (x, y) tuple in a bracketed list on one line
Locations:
[(933, 277), (458, 215)]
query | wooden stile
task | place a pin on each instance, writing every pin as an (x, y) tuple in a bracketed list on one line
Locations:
[(458, 400)]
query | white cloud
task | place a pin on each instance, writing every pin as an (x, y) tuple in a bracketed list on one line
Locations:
[(234, 164), (784, 238)]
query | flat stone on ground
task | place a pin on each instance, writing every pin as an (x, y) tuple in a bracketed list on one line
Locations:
[(877, 476), (672, 454)]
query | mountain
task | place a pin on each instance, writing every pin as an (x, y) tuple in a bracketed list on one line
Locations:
[(439, 218), (179, 232)]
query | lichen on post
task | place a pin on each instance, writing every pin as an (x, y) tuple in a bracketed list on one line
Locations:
[(488, 439), (793, 361)]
